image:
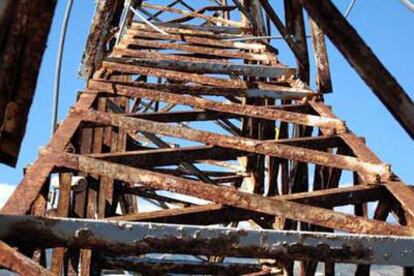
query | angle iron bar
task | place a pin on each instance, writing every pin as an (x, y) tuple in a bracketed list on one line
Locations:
[(187, 29), (200, 67), (17, 262), (196, 40), (243, 110), (370, 170), (256, 90), (29, 188), (265, 57), (141, 238), (228, 196)]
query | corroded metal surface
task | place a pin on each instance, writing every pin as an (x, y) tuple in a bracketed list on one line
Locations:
[(361, 57), (138, 238), (24, 28), (195, 117), (15, 261)]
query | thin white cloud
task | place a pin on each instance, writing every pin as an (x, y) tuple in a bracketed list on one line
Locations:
[(5, 192)]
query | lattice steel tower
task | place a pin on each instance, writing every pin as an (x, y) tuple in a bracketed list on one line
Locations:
[(189, 119)]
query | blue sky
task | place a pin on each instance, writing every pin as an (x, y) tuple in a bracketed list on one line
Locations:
[(385, 25)]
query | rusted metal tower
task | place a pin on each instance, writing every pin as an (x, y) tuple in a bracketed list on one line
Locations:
[(191, 109)]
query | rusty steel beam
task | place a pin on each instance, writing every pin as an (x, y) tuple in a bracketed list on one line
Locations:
[(23, 38), (208, 67), (63, 207), (335, 197), (363, 60), (196, 29), (356, 144), (234, 108), (161, 144), (141, 238), (295, 25), (405, 196), (168, 156), (228, 196), (187, 29), (171, 156), (15, 261), (369, 170), (257, 90), (107, 12), (327, 198), (400, 191), (123, 51), (172, 75), (143, 43), (195, 40), (26, 192), (216, 213), (195, 215), (323, 77)]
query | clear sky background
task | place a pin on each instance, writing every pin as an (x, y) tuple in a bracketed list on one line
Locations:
[(386, 25)]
